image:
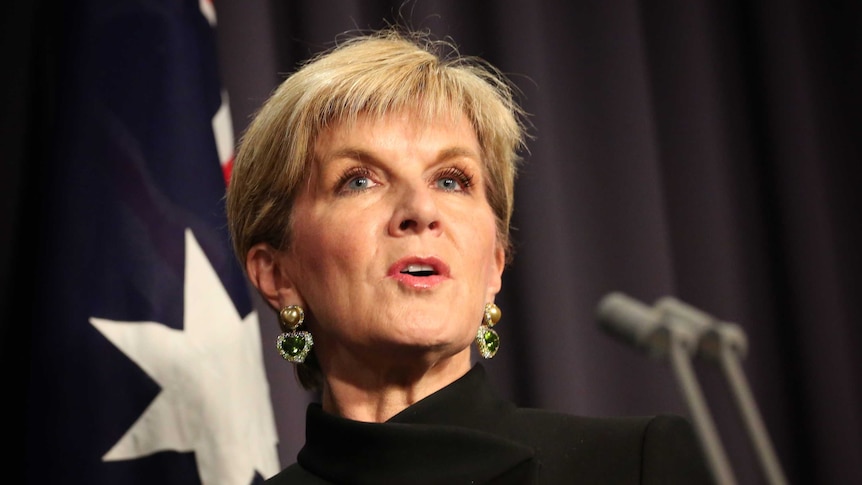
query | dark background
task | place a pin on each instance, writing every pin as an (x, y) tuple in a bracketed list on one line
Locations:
[(707, 150)]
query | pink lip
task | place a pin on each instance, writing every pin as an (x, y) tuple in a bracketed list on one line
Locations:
[(441, 273)]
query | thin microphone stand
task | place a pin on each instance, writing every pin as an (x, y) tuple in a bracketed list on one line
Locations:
[(681, 347), (660, 335), (725, 343)]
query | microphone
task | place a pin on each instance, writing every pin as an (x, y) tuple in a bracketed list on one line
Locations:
[(650, 330), (643, 326), (725, 343)]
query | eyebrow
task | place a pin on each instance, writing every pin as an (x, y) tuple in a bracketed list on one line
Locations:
[(361, 154), (356, 153), (455, 152)]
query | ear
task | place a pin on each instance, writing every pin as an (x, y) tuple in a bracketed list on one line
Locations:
[(496, 274), (267, 274)]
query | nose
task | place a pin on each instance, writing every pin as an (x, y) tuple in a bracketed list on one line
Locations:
[(415, 212)]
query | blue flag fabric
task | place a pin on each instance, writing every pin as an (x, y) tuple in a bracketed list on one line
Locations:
[(146, 364)]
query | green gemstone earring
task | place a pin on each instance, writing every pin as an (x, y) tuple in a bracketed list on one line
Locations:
[(486, 338), (294, 345)]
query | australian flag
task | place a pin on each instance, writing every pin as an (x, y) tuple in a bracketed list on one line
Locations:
[(146, 366)]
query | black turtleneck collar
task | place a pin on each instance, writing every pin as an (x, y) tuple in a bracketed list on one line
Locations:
[(448, 437)]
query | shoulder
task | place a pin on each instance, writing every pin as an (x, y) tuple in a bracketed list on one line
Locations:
[(671, 448), (641, 449), (539, 422), (295, 475)]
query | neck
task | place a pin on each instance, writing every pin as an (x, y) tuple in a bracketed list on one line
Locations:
[(360, 392)]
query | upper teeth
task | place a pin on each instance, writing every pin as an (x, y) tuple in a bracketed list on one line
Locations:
[(415, 268)]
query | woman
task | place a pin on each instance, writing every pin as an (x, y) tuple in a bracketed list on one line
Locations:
[(370, 204)]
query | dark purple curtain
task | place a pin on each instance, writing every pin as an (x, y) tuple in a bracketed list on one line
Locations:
[(707, 150)]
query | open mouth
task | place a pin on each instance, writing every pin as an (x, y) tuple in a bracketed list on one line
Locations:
[(420, 270), (419, 273)]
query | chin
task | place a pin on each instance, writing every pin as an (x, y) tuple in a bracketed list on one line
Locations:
[(434, 344)]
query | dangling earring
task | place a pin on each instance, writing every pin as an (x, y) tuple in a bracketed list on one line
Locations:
[(294, 345), (486, 338)]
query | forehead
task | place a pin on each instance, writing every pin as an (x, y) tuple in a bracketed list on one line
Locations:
[(398, 131)]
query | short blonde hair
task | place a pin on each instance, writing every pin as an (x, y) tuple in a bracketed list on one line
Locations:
[(372, 74)]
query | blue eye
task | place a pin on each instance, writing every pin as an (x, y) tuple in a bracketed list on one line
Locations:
[(454, 180), (356, 179), (448, 183), (358, 183)]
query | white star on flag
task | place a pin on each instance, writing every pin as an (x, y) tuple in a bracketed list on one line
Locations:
[(215, 397)]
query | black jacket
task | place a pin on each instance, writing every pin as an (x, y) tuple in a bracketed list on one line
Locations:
[(466, 434)]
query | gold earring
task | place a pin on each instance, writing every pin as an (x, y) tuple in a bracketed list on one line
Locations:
[(486, 338), (293, 345)]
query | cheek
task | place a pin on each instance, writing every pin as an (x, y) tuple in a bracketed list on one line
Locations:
[(323, 246), (482, 242)]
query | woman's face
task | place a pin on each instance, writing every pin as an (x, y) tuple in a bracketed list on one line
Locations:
[(393, 244)]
